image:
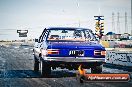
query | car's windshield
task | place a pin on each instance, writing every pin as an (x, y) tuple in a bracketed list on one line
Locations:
[(71, 35)]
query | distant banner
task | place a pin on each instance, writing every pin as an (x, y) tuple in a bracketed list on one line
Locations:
[(22, 33)]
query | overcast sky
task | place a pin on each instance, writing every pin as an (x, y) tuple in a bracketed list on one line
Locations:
[(35, 15)]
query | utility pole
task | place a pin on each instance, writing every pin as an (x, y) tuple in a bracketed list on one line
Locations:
[(79, 24), (126, 31), (113, 22), (99, 26), (118, 23), (131, 18)]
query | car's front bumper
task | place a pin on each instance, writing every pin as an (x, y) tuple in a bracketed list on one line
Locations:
[(74, 59)]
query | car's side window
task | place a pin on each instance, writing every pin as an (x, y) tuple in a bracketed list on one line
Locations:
[(45, 35), (41, 36)]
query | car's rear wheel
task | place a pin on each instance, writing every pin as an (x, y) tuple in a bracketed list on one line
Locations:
[(36, 64), (45, 69), (96, 69)]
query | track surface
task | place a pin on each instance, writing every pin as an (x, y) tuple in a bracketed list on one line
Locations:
[(16, 70)]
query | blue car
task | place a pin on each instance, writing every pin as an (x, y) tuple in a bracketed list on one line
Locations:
[(66, 47)]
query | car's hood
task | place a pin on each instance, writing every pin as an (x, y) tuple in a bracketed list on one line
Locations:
[(75, 45)]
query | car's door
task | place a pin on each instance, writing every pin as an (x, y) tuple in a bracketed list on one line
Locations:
[(38, 45)]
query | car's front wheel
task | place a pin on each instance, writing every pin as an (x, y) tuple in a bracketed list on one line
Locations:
[(96, 69)]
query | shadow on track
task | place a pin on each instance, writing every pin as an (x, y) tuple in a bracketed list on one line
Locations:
[(33, 74)]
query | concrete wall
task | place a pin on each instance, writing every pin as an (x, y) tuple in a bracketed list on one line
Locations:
[(123, 58)]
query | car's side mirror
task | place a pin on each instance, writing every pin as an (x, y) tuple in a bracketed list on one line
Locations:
[(36, 40)]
